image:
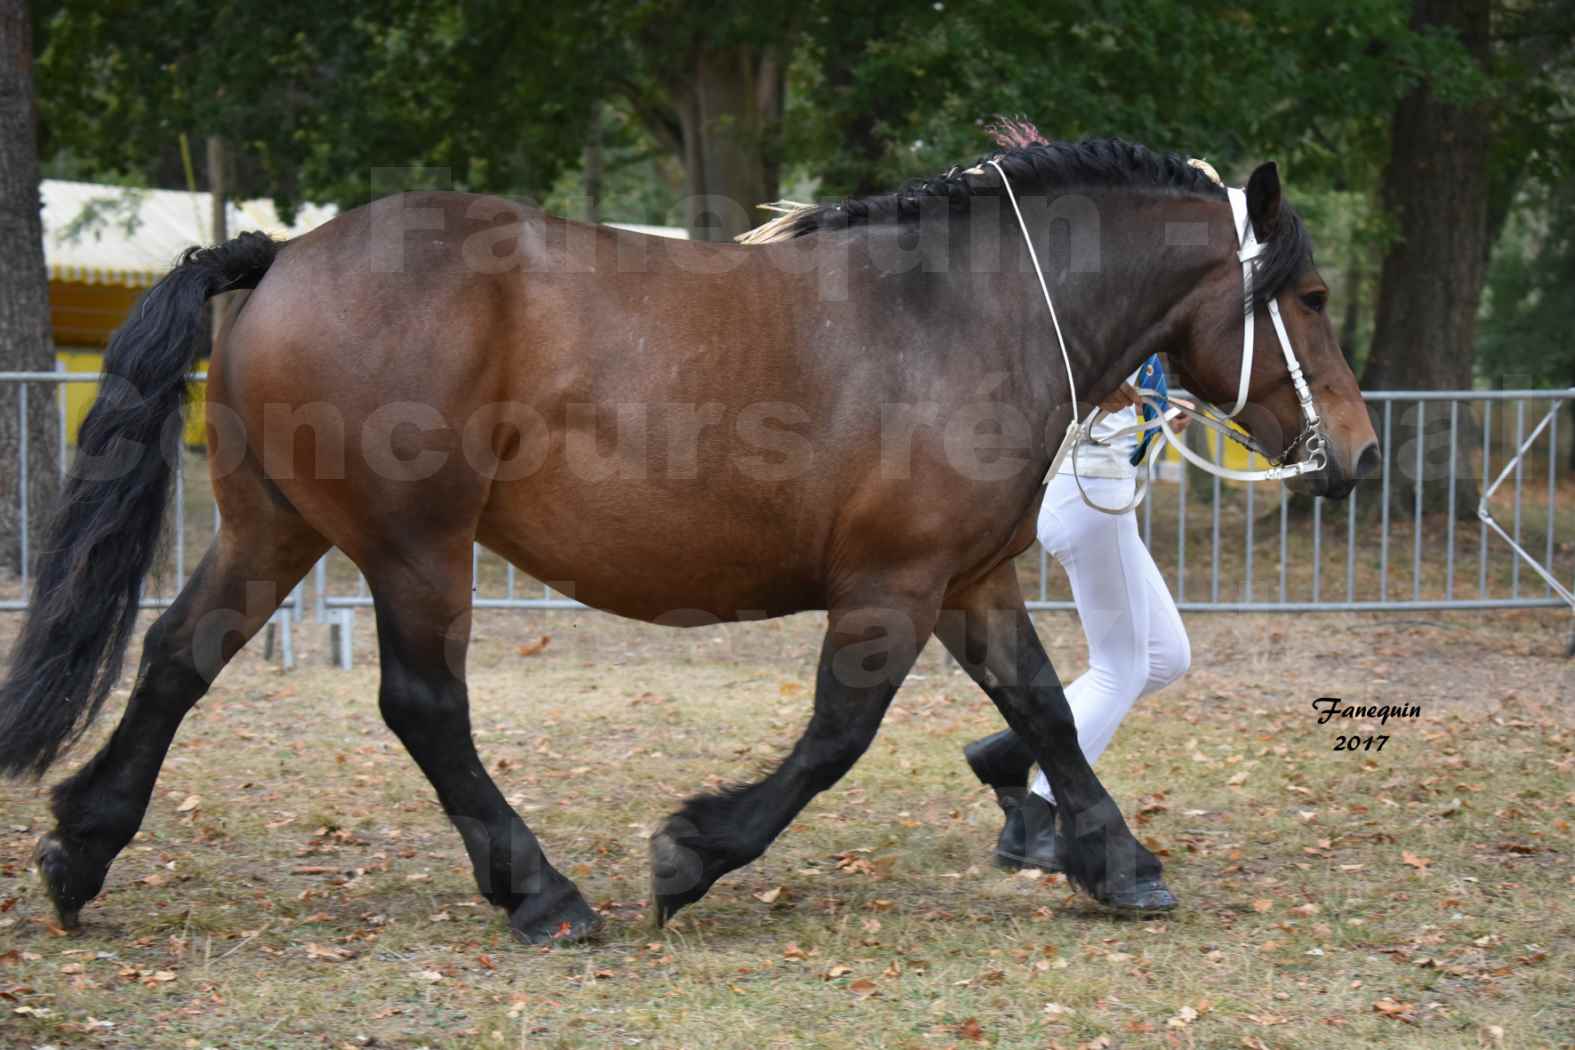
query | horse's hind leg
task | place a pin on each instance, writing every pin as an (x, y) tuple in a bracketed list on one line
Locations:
[(871, 642), (254, 562), (987, 628), (423, 629)]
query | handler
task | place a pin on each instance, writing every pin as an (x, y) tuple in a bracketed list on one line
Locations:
[(1136, 641)]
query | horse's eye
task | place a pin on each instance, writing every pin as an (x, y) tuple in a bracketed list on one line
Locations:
[(1315, 301)]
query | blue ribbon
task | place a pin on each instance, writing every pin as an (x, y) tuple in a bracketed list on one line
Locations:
[(1151, 377)]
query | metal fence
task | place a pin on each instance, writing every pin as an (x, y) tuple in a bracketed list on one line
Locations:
[(185, 525), (1222, 546)]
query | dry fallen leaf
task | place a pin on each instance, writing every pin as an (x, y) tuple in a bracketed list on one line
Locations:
[(1262, 904), (328, 952), (1185, 1016), (1419, 863), (532, 648), (190, 803), (863, 987), (971, 1030), (768, 896)]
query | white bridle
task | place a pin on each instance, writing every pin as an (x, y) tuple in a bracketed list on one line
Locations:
[(1079, 430)]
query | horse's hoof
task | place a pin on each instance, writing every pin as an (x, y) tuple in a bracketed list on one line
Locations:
[(1148, 897), (677, 876), (570, 923), (52, 864)]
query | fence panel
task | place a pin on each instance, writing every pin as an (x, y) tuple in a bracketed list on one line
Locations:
[(193, 522)]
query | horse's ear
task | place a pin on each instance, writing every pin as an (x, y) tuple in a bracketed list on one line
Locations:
[(1263, 200)]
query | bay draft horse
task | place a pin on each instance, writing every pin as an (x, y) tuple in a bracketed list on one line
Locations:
[(856, 418)]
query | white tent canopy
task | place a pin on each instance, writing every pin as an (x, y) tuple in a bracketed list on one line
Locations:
[(96, 234)]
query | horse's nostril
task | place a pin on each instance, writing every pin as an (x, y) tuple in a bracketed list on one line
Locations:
[(1368, 462)]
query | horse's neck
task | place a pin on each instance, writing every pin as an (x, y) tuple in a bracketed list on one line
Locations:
[(1116, 307)]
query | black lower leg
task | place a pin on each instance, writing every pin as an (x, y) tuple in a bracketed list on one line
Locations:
[(862, 662), (99, 808), (1097, 850), (427, 707)]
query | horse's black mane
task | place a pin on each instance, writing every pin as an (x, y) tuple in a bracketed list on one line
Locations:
[(1042, 166)]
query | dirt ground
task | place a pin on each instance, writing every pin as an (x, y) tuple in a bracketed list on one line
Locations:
[(295, 884)]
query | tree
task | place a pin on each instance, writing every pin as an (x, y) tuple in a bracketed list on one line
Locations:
[(1459, 149), (707, 82), (1436, 188), (1525, 329), (24, 303), (333, 105), (320, 102), (1436, 185)]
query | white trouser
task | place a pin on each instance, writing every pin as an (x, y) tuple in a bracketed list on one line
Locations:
[(1136, 643)]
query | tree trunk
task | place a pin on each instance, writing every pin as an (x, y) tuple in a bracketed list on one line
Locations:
[(219, 219), (1437, 186), (1351, 322), (730, 112), (24, 300)]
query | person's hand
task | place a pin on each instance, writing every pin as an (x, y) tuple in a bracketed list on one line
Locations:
[(1124, 397), (1179, 422)]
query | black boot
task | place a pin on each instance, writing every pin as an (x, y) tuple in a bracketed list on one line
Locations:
[(1001, 760), (1039, 834), (1009, 846)]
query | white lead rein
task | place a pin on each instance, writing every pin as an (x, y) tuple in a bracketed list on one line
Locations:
[(1078, 429), (1074, 428)]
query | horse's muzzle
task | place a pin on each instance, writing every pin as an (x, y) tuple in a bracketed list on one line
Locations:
[(1337, 480)]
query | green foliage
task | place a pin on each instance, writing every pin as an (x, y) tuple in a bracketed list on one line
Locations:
[(1525, 333), (342, 103), (1236, 84), (320, 101)]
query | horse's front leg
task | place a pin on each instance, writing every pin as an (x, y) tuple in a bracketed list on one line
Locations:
[(873, 636), (987, 629)]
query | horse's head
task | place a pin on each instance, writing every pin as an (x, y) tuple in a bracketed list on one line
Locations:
[(1213, 364)]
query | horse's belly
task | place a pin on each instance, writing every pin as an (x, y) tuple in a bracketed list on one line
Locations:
[(649, 555)]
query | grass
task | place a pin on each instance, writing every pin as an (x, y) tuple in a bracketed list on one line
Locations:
[(296, 886)]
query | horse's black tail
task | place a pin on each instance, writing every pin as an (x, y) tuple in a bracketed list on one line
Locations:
[(105, 532)]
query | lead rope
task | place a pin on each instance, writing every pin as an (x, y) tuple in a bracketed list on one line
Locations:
[(1074, 430), (1069, 440)]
